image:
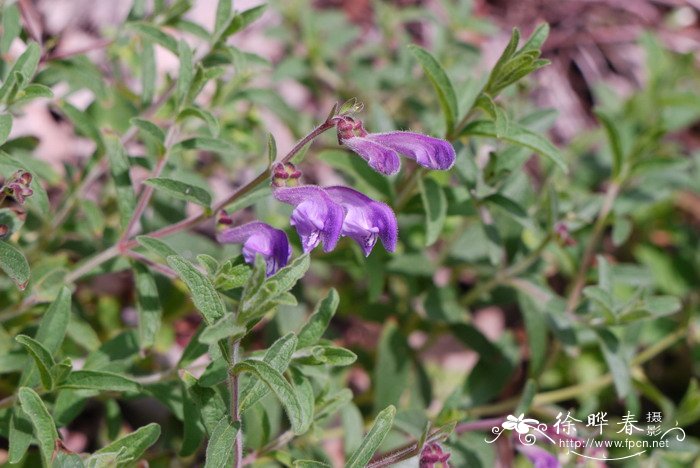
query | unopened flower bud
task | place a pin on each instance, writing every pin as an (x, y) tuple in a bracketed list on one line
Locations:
[(224, 218), (563, 236), (433, 454), (285, 175), (25, 178)]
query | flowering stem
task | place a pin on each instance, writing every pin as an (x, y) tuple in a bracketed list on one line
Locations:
[(147, 191), (235, 412), (590, 250)]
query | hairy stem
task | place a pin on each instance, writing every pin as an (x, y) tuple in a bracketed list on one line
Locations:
[(235, 413), (590, 250)]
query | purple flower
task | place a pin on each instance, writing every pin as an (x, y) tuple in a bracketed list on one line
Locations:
[(381, 150), (259, 238), (366, 220), (539, 457), (316, 217)]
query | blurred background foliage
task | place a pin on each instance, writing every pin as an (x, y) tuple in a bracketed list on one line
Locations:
[(516, 285)]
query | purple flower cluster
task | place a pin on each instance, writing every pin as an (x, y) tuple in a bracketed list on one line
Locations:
[(322, 215), (17, 186)]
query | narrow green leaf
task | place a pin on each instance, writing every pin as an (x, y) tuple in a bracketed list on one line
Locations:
[(278, 356), (393, 366), (204, 296), (310, 464), (441, 83), (613, 135), (617, 361), (318, 322), (181, 190), (201, 114), (149, 128), (54, 322), (148, 73), (184, 80), (519, 136), (216, 145), (11, 27), (100, 380), (13, 263), (42, 358), (156, 246), (44, 427), (281, 388), (240, 21), (5, 127), (381, 427), (271, 149), (221, 442), (132, 446), (435, 206), (329, 355), (536, 330), (537, 38), (20, 434), (119, 166), (225, 327), (147, 305), (83, 124), (156, 34), (223, 16), (209, 402)]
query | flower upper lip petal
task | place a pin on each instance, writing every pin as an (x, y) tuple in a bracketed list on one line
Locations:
[(430, 152), (259, 238), (380, 157), (316, 216), (375, 218)]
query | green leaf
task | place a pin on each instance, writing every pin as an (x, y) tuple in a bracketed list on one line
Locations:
[(149, 128), (536, 330), (221, 442), (310, 464), (181, 190), (435, 206), (184, 80), (156, 34), (83, 124), (240, 21), (392, 370), (44, 427), (216, 145), (223, 16), (520, 136), (281, 388), (119, 165), (617, 361), (329, 355), (148, 73), (54, 322), (22, 71), (11, 27), (202, 114), (318, 322), (132, 446), (204, 296), (100, 380), (210, 404), (42, 358), (613, 135), (20, 436), (147, 305), (537, 38), (441, 83), (225, 327), (278, 356), (5, 127), (33, 91), (13, 263), (261, 296), (156, 246), (381, 427)]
